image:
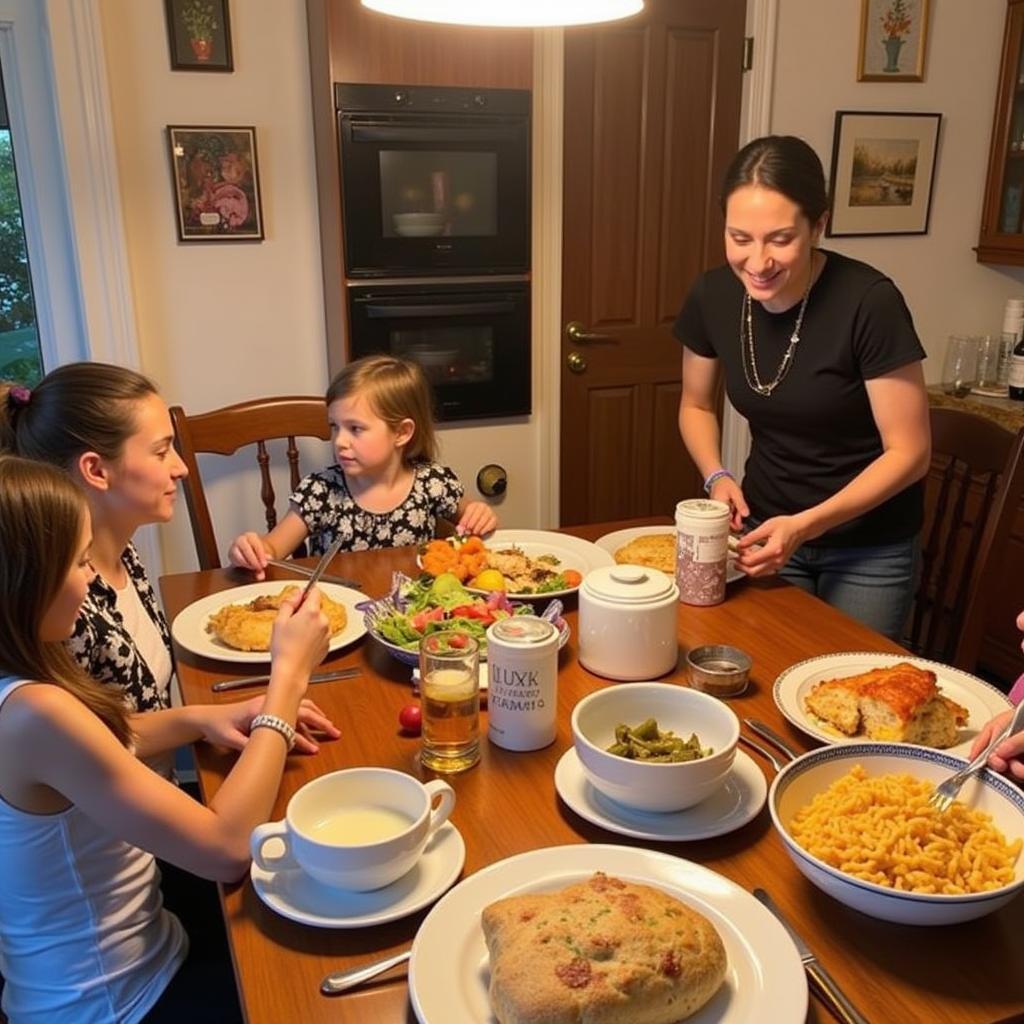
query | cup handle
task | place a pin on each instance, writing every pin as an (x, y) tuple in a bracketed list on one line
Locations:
[(439, 814), (258, 839)]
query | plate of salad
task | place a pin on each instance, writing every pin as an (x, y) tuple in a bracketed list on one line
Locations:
[(415, 608), (525, 564)]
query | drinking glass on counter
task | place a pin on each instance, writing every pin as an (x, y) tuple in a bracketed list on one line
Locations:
[(990, 352), (959, 370), (450, 699)]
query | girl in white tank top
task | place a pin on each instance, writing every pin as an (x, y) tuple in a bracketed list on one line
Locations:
[(83, 934)]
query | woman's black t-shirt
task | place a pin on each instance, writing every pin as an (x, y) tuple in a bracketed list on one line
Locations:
[(815, 432)]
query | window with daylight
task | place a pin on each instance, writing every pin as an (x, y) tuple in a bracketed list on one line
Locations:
[(20, 358)]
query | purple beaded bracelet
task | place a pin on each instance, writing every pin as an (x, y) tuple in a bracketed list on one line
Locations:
[(713, 478)]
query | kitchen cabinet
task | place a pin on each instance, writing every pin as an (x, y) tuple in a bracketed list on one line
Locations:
[(1002, 223)]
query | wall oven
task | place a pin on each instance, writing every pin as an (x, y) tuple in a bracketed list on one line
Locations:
[(471, 338), (435, 180)]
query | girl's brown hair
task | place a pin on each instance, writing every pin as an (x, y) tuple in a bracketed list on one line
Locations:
[(79, 407), (41, 515), (396, 390)]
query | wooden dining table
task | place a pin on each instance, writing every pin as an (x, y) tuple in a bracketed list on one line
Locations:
[(508, 804)]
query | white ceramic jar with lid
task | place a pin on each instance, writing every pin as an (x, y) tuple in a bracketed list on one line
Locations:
[(628, 622)]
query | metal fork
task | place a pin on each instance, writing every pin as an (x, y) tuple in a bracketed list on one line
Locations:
[(946, 792)]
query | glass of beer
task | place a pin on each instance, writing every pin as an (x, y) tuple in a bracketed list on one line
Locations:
[(450, 698)]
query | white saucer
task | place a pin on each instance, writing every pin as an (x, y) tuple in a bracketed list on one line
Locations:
[(293, 894), (732, 806)]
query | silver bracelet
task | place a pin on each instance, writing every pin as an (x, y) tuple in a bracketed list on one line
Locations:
[(279, 725)]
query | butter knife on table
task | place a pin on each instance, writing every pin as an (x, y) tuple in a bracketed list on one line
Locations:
[(319, 677), (305, 570), (821, 980)]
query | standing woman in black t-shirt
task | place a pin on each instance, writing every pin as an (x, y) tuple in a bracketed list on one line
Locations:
[(820, 355)]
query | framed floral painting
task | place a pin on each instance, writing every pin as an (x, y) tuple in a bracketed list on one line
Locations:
[(216, 184), (883, 168), (199, 35), (892, 40)]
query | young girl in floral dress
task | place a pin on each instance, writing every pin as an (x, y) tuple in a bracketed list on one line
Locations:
[(385, 489)]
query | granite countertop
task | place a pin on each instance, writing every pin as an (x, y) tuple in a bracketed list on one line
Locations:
[(1004, 411)]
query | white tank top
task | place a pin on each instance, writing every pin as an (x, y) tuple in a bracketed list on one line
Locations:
[(83, 933)]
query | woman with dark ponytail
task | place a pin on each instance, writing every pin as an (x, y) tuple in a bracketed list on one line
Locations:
[(819, 353)]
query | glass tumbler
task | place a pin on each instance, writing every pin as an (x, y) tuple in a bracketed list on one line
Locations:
[(990, 350), (450, 701), (959, 370)]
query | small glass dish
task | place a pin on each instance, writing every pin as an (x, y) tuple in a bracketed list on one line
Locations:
[(718, 669)]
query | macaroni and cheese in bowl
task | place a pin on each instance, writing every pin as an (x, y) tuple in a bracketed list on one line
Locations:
[(856, 821)]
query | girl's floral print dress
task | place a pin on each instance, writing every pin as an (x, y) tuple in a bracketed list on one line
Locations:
[(328, 509)]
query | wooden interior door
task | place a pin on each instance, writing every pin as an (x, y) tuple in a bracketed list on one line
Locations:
[(652, 111)]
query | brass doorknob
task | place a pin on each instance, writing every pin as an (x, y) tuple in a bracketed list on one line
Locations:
[(578, 334), (576, 362)]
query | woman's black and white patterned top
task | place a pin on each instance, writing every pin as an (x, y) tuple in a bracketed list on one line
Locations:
[(106, 650), (327, 508)]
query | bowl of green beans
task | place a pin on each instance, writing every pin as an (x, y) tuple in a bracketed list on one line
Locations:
[(655, 746)]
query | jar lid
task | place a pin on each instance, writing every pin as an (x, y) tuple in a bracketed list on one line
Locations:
[(524, 630), (629, 584), (702, 508)]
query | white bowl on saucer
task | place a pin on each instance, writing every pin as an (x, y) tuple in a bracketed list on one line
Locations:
[(801, 780), (642, 785)]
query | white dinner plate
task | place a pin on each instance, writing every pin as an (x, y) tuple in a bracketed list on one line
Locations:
[(295, 895), (738, 801), (189, 628), (611, 542), (981, 699), (449, 974), (571, 553)]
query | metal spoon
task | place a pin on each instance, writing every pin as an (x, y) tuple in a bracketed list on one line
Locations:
[(343, 981), (762, 729), (763, 751)]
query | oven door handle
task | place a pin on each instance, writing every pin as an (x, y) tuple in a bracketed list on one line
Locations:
[(443, 309), (437, 134)]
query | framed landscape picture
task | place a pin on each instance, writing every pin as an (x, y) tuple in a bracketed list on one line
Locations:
[(892, 40), (199, 35), (216, 183), (883, 167)]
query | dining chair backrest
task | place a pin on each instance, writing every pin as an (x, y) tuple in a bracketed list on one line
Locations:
[(224, 432), (974, 488)]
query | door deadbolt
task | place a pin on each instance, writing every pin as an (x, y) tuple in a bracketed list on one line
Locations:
[(576, 362)]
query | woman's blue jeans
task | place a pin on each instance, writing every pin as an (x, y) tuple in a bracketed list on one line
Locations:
[(874, 585)]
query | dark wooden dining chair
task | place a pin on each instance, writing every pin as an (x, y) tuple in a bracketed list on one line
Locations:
[(972, 493), (223, 432)]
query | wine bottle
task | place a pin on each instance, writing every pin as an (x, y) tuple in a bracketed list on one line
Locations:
[(1016, 378)]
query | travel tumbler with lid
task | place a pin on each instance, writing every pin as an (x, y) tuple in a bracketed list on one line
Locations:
[(522, 695), (702, 547)]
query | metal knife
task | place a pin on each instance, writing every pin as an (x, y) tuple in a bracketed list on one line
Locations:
[(821, 980), (325, 560), (772, 737), (319, 677), (305, 570)]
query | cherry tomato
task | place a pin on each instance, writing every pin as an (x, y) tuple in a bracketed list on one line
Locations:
[(410, 718), (458, 640)]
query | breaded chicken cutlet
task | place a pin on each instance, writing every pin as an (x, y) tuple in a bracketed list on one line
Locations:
[(247, 627)]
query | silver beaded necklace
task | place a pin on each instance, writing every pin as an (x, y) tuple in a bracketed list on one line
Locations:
[(747, 345)]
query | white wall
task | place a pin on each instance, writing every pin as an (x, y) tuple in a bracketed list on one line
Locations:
[(947, 290), (220, 322)]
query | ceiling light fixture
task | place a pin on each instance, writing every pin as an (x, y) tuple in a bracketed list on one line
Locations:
[(509, 13)]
